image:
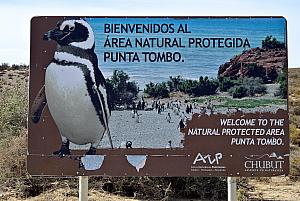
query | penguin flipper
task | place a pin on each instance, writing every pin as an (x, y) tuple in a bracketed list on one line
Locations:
[(38, 105), (110, 139)]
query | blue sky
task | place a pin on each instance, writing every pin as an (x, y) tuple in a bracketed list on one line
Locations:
[(15, 17)]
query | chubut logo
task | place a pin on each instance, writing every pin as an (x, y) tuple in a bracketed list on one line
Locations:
[(266, 162)]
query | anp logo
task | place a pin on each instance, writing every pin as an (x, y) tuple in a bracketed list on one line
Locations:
[(208, 158)]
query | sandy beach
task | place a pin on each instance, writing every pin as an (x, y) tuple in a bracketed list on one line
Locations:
[(154, 131)]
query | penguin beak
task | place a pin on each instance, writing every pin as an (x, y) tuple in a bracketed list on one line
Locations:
[(54, 34)]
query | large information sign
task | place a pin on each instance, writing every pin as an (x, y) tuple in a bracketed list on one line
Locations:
[(158, 96)]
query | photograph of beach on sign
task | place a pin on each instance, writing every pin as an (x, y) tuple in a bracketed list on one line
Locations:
[(151, 101)]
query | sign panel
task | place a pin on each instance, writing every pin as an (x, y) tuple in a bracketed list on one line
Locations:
[(158, 96)]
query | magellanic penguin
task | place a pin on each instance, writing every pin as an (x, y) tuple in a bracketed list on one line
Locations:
[(75, 89)]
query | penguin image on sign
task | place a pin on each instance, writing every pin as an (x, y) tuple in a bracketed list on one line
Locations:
[(75, 88)]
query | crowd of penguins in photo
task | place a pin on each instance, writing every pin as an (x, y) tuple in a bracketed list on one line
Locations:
[(183, 109)]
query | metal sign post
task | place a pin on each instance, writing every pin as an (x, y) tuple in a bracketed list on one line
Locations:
[(231, 186), (83, 188)]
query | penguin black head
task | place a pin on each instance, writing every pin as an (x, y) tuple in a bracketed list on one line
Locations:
[(72, 31)]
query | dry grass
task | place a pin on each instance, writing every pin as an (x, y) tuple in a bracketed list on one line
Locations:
[(294, 94), (13, 157), (13, 103)]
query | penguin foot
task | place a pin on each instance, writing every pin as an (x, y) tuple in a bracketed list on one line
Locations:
[(128, 144), (91, 151), (64, 150)]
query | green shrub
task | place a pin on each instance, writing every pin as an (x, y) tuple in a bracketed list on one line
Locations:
[(254, 70), (6, 66), (282, 80), (271, 42), (120, 90), (201, 87), (157, 90), (238, 91), (249, 86), (225, 83), (254, 86), (272, 75), (283, 90), (174, 83)]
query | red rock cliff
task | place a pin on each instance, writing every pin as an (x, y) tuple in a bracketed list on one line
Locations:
[(265, 63)]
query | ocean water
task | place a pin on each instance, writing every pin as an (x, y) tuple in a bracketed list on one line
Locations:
[(197, 61)]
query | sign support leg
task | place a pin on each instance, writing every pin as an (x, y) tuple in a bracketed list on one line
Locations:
[(83, 188), (231, 186)]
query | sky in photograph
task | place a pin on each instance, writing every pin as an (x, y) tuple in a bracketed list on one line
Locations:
[(15, 17)]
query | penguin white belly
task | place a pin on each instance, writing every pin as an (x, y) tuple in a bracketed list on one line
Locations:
[(70, 104)]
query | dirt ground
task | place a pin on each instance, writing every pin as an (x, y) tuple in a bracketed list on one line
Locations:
[(275, 188), (62, 194)]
